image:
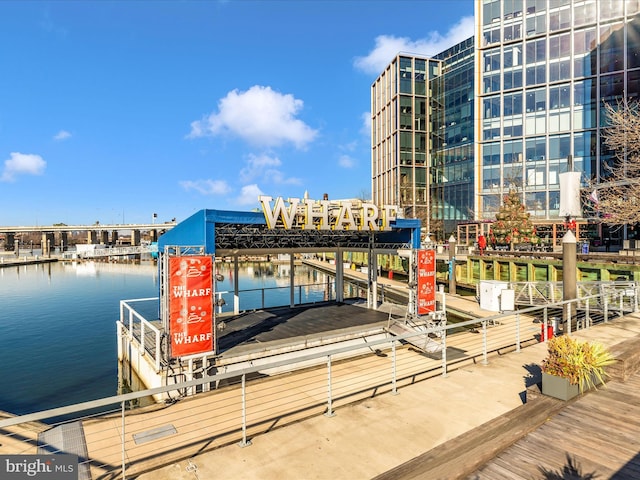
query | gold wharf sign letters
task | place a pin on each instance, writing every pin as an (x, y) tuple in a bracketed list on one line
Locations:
[(326, 215)]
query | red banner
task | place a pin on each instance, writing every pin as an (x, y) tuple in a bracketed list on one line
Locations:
[(426, 281), (190, 305)]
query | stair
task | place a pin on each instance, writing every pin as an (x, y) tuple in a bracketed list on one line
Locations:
[(422, 341)]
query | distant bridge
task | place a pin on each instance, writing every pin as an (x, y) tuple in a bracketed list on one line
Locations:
[(98, 227), (96, 234)]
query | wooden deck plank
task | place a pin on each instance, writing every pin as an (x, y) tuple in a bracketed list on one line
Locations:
[(597, 434)]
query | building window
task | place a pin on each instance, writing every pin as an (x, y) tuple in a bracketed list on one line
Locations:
[(512, 104), (512, 152), (584, 13), (406, 112), (560, 19), (536, 149), (536, 100), (405, 75), (584, 53), (492, 107), (633, 44), (611, 48), (559, 146)]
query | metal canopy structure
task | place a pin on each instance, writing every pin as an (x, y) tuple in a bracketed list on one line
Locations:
[(227, 233)]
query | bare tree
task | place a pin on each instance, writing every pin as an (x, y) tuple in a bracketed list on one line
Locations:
[(616, 197)]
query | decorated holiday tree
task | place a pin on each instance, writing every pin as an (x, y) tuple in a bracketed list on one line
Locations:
[(512, 225)]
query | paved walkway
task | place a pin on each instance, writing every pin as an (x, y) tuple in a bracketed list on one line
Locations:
[(371, 437)]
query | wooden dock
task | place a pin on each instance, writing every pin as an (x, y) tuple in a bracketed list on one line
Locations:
[(13, 261), (596, 436)]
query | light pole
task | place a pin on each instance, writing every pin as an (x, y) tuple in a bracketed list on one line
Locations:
[(570, 209), (452, 265)]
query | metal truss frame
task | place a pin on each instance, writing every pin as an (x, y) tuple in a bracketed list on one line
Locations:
[(236, 237)]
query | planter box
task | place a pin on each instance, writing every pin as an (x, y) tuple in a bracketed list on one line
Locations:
[(558, 387)]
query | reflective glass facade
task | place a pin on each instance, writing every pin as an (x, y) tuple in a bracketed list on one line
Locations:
[(511, 108), (452, 179), (545, 69)]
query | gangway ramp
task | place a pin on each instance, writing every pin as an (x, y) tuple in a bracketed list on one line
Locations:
[(418, 339), (418, 330)]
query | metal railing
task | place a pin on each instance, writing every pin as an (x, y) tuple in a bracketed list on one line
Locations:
[(622, 294), (135, 326), (115, 251), (268, 297), (148, 333), (242, 404)]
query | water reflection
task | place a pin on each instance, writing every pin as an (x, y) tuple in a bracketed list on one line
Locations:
[(58, 345)]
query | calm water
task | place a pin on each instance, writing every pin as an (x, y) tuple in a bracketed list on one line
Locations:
[(58, 323)]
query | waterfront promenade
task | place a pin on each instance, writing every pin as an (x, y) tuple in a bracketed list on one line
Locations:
[(373, 433), (427, 430)]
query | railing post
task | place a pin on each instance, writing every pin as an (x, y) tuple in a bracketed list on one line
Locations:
[(158, 350), (569, 317), (329, 412), (394, 390), (605, 300), (124, 452), (444, 352), (485, 361), (262, 297), (142, 335), (621, 312), (587, 317), (244, 442), (518, 332)]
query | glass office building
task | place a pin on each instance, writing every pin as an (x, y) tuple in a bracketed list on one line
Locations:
[(537, 75), (452, 181), (402, 126), (546, 68)]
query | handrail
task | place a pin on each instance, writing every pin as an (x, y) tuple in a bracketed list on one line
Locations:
[(127, 322), (128, 316), (502, 331)]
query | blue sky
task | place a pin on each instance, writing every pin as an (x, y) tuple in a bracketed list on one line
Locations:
[(111, 111)]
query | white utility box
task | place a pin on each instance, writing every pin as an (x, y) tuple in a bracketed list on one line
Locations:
[(507, 300), (490, 293)]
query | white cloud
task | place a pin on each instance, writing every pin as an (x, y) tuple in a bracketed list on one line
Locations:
[(62, 135), (388, 46), (206, 187), (249, 195), (345, 161), (259, 116), (257, 165), (22, 164), (264, 167), (366, 124)]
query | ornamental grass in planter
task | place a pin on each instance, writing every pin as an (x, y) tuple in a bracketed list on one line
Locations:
[(579, 363)]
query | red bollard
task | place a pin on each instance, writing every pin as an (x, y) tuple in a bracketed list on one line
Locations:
[(549, 332)]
